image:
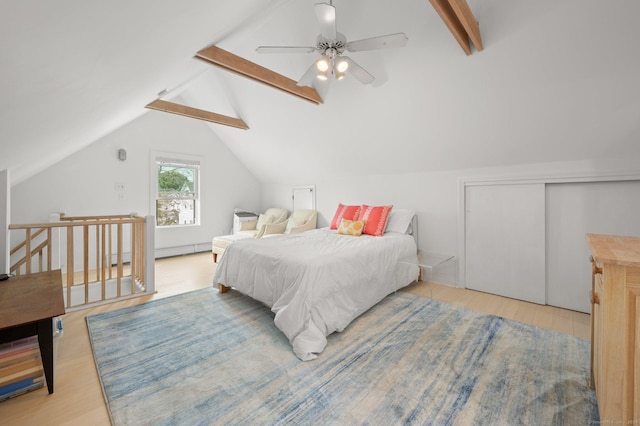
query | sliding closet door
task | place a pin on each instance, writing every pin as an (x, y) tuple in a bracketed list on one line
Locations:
[(505, 240), (574, 209)]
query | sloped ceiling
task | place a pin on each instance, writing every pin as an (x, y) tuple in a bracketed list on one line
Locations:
[(557, 80)]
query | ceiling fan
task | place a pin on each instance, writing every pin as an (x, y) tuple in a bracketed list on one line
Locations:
[(331, 45)]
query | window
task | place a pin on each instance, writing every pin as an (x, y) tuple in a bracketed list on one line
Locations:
[(177, 195)]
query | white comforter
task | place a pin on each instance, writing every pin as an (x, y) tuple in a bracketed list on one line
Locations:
[(317, 282)]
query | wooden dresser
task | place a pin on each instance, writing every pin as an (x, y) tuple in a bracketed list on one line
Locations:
[(615, 327)]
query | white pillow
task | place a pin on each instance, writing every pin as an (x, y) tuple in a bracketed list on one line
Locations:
[(399, 221)]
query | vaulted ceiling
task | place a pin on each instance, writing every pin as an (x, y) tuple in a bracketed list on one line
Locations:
[(557, 80)]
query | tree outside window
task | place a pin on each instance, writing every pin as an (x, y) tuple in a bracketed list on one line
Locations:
[(177, 197)]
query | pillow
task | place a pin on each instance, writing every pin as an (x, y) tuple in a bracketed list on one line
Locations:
[(400, 221), (375, 218), (260, 232), (292, 223), (248, 225), (344, 212), (264, 219), (272, 229), (351, 227)]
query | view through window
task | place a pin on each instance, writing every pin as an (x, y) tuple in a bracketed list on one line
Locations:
[(177, 194)]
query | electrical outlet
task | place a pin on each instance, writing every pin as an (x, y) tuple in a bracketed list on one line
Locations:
[(119, 187)]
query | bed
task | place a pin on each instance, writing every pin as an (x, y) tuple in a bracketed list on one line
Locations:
[(319, 281)]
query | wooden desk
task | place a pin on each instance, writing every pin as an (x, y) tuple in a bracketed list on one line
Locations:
[(28, 305)]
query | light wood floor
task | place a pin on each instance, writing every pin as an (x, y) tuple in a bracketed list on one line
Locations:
[(78, 398)]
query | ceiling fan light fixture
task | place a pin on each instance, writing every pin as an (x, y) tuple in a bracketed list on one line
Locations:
[(331, 45), (341, 66), (323, 75), (322, 65)]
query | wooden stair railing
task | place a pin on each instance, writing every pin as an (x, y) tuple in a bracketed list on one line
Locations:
[(98, 268), (38, 250)]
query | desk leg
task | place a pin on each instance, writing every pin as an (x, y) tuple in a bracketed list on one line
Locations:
[(45, 340)]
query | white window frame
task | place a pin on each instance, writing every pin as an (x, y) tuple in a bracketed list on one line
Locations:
[(176, 159)]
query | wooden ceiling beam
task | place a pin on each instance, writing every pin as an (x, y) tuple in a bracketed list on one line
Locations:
[(221, 58), (468, 21), (200, 114), (449, 17), (458, 17)]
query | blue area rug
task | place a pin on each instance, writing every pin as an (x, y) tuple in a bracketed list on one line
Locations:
[(203, 358)]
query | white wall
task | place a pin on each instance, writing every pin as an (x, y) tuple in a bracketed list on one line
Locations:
[(434, 196), (84, 183), (431, 195)]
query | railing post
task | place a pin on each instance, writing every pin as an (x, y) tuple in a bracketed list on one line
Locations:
[(54, 244), (119, 255), (69, 262), (5, 220), (150, 253), (133, 251), (27, 250), (102, 270), (85, 262)]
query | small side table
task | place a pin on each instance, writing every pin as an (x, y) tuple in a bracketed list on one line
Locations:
[(28, 305)]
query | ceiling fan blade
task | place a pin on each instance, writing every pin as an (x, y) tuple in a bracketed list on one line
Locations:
[(308, 76), (326, 14), (358, 72), (381, 42), (285, 49)]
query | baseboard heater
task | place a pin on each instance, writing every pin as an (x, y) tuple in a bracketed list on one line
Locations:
[(181, 250)]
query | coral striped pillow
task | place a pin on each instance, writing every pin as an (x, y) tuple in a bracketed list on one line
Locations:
[(344, 212), (375, 218), (351, 227)]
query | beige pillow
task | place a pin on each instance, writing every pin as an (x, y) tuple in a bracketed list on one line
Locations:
[(264, 219), (248, 225), (260, 232), (292, 223), (273, 228)]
